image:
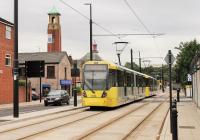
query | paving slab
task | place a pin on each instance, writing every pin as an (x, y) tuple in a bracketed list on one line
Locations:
[(188, 121)]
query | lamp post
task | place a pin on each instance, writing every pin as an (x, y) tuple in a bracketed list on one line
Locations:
[(91, 57), (140, 62), (132, 59), (120, 46), (16, 81)]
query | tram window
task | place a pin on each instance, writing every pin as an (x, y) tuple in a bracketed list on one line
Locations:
[(137, 81), (140, 81), (128, 77), (147, 82), (151, 84), (112, 78), (132, 80), (120, 78)]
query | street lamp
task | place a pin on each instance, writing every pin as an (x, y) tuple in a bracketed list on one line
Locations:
[(90, 30), (120, 46)]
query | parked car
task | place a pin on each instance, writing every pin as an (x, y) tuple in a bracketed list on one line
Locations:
[(57, 97), (35, 95)]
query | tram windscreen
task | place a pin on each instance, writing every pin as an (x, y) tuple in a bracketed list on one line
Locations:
[(95, 77)]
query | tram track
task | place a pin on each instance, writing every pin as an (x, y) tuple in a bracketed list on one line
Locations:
[(84, 136), (97, 131), (40, 129), (140, 128), (40, 116), (38, 134), (18, 131), (42, 119)]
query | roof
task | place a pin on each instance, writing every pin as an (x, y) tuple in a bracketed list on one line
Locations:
[(6, 22), (53, 11), (115, 66), (48, 57), (95, 57)]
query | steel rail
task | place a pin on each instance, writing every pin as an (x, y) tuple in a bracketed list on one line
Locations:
[(59, 126), (42, 121), (87, 134), (142, 122), (162, 125), (40, 116)]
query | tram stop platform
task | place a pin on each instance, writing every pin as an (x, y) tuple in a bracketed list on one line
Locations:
[(188, 120)]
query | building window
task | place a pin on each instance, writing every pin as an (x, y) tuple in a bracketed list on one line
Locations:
[(50, 71), (8, 60), (8, 32)]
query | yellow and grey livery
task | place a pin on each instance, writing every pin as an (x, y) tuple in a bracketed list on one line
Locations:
[(110, 85)]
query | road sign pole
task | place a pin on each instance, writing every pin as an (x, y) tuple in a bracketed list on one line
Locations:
[(26, 81), (40, 82), (170, 87)]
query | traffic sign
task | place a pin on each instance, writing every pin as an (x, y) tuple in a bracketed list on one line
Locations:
[(35, 68), (167, 58), (189, 77)]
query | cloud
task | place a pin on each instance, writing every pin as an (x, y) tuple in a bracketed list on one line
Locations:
[(178, 19)]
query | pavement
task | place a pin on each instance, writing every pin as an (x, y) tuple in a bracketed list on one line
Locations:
[(22, 116), (188, 121)]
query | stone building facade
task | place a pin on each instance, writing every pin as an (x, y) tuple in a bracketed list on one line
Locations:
[(57, 70)]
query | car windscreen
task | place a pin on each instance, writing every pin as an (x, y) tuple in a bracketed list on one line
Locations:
[(54, 93)]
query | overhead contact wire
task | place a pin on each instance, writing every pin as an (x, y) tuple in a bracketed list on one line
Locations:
[(97, 24)]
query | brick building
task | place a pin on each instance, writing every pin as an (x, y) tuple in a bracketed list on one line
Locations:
[(6, 61)]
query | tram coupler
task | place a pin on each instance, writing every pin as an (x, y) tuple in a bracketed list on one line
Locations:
[(75, 96), (174, 124)]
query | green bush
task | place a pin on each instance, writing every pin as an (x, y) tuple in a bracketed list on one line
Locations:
[(22, 83)]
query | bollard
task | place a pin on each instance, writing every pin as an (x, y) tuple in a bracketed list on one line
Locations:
[(75, 96), (178, 91), (175, 124), (174, 103)]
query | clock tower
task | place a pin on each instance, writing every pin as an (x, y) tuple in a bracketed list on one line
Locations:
[(54, 31)]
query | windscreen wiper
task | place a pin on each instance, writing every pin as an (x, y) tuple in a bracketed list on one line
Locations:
[(87, 85)]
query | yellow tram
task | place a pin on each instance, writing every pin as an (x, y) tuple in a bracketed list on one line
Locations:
[(110, 85)]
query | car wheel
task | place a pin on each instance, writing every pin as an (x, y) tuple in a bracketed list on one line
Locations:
[(60, 103), (45, 104), (67, 102)]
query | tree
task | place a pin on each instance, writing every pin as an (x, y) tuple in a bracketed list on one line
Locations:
[(184, 58), (135, 66)]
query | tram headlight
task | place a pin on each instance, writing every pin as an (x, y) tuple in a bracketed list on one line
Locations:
[(104, 94), (84, 94)]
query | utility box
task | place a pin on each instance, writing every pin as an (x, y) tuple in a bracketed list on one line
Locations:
[(188, 90)]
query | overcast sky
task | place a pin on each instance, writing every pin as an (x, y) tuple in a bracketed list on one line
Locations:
[(178, 19)]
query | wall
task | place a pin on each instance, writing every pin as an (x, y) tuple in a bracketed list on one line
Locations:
[(6, 76), (196, 85), (22, 94)]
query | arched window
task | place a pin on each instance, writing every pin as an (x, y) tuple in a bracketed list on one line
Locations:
[(53, 20)]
